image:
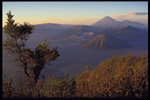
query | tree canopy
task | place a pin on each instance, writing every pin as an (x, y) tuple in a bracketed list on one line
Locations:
[(32, 61)]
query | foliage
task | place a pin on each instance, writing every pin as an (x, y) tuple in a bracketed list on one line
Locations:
[(57, 87), (7, 89), (32, 61), (53, 86), (117, 77), (125, 76)]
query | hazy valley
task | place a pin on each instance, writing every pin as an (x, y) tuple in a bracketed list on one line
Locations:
[(81, 45)]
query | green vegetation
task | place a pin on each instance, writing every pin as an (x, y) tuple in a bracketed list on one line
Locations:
[(124, 76)]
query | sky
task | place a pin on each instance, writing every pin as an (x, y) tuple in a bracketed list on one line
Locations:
[(85, 13)]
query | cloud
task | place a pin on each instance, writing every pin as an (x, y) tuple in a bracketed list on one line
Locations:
[(132, 16), (136, 13), (129, 15), (119, 16)]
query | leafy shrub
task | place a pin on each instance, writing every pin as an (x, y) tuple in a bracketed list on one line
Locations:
[(125, 76)]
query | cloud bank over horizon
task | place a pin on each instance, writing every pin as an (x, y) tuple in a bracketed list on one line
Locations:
[(137, 13), (141, 17)]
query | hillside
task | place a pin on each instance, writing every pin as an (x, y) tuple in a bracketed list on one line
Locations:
[(80, 31), (124, 76), (127, 33), (49, 30), (136, 37), (105, 41)]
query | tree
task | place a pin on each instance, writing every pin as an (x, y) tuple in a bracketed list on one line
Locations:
[(32, 61)]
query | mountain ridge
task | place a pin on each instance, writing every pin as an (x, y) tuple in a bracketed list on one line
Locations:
[(105, 41), (110, 22)]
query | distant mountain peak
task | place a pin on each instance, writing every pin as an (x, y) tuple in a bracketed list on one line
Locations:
[(105, 21), (107, 18), (112, 23)]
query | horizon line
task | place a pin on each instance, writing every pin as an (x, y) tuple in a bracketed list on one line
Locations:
[(82, 24)]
